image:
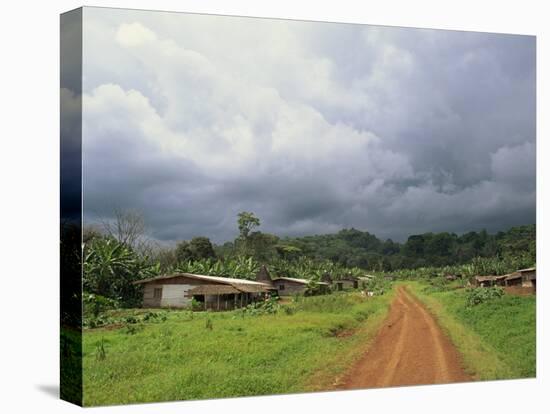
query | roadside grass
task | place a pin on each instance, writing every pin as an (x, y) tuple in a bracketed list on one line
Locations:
[(228, 354), (497, 338)]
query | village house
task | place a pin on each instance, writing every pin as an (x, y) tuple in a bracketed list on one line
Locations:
[(211, 292), (529, 277), (513, 279), (347, 282), (486, 281), (288, 286), (524, 278)]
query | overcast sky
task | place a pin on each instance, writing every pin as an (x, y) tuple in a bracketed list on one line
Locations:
[(312, 126)]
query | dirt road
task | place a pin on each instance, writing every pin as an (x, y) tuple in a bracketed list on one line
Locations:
[(409, 349)]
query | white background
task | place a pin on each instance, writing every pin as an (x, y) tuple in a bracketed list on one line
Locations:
[(29, 169)]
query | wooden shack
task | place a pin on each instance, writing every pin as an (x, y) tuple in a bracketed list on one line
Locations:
[(529, 277), (513, 279), (288, 286), (486, 281), (212, 292), (347, 282)]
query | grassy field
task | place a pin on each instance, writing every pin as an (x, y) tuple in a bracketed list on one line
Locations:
[(497, 338), (305, 346)]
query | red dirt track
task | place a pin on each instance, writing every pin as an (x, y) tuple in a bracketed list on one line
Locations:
[(410, 349)]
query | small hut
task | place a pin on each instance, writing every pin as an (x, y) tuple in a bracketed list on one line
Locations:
[(529, 277), (287, 286), (487, 281), (513, 279), (347, 282)]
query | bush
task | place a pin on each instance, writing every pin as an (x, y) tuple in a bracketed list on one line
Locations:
[(95, 304), (363, 315), (288, 310), (479, 295), (267, 306), (196, 305), (131, 319), (132, 329), (100, 353)]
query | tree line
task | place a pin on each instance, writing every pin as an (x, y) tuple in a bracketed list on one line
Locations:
[(118, 252)]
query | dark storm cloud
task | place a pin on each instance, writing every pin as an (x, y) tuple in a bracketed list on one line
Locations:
[(313, 127)]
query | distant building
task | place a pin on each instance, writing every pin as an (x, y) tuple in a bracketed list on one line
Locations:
[(347, 282), (513, 279), (288, 286), (529, 277), (486, 281), (211, 292)]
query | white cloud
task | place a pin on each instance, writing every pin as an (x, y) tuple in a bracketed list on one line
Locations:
[(314, 127), (134, 34)]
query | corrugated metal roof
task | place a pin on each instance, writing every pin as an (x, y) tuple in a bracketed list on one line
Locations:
[(212, 290), (485, 278), (515, 275), (218, 279), (529, 269), (302, 281), (252, 288)]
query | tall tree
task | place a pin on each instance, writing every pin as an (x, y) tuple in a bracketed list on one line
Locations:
[(183, 252), (202, 248), (247, 222)]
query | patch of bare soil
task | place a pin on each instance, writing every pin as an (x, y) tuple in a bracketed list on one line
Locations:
[(410, 349), (519, 290)]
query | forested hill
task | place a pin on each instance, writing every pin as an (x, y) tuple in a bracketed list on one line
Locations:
[(351, 247)]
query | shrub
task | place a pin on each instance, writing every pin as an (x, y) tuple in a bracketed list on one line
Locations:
[(363, 315), (132, 329), (100, 353), (479, 295), (131, 319), (95, 304), (268, 306), (196, 305), (288, 310)]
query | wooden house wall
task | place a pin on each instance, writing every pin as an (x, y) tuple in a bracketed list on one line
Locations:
[(291, 288), (173, 295), (349, 284), (174, 291), (528, 279), (514, 282), (149, 300)]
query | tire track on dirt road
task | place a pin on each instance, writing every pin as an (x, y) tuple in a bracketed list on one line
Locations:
[(410, 349)]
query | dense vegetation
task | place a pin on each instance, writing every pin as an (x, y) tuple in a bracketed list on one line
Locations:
[(175, 355), (351, 247), (118, 254)]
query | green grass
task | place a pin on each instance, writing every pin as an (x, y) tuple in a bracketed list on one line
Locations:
[(181, 358), (497, 338)]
